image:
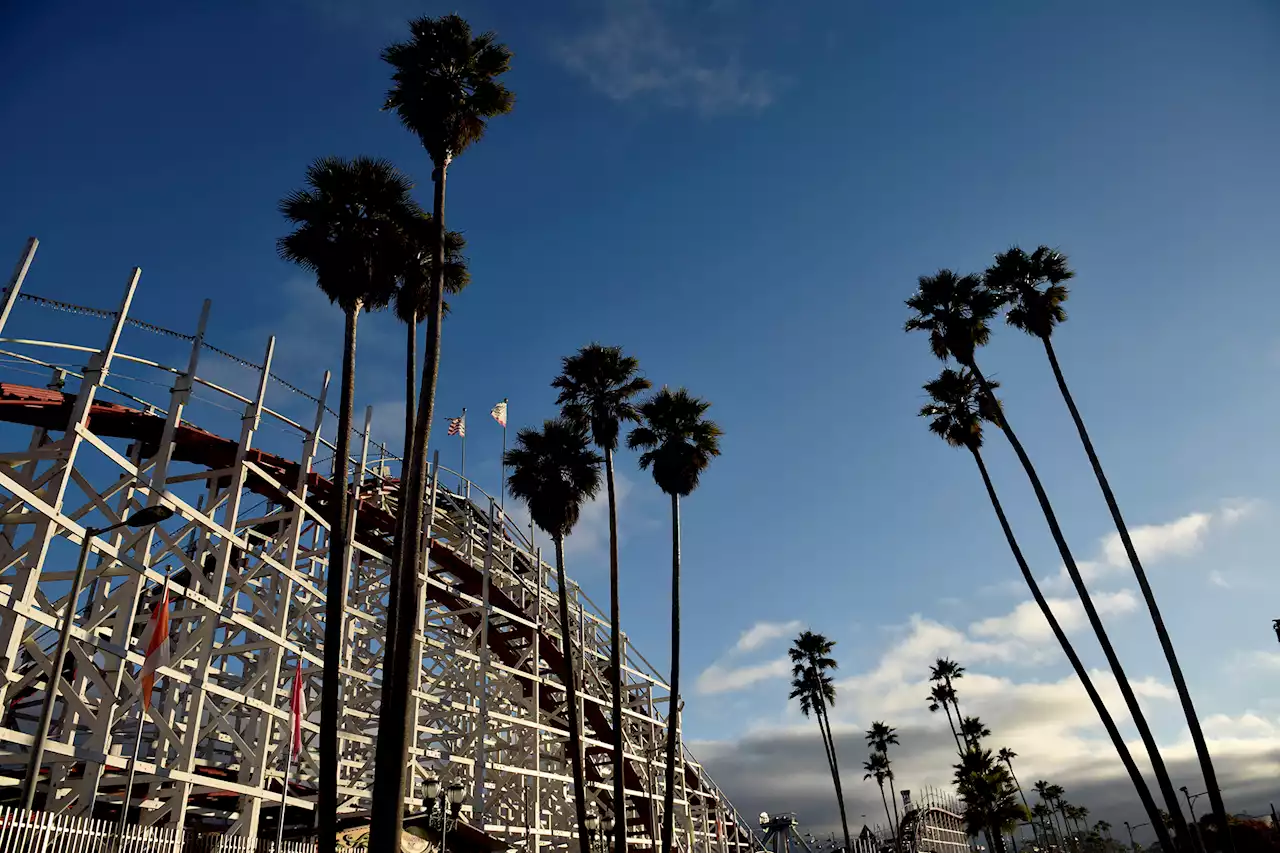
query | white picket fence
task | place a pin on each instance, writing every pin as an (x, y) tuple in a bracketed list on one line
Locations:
[(49, 832)]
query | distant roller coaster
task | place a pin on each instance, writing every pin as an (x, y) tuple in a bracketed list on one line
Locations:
[(245, 554)]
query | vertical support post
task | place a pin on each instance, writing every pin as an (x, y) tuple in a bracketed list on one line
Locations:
[(15, 280), (537, 704), (482, 682)]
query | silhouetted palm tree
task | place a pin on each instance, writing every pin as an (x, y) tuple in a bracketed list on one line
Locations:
[(958, 410), (880, 737), (974, 730), (1044, 815), (956, 312), (678, 444), (947, 672), (554, 471), (940, 697), (811, 683), (444, 90), (349, 223), (598, 386), (1007, 755), (990, 804), (1034, 287), (877, 767)]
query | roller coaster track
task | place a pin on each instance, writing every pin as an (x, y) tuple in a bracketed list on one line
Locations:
[(245, 557)]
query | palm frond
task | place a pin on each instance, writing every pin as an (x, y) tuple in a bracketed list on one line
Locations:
[(554, 471), (1032, 285), (677, 441), (598, 386), (956, 312)]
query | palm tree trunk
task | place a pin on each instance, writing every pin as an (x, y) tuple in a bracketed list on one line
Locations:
[(886, 814), (1108, 722), (615, 663), (673, 707), (946, 706), (828, 738), (570, 677), (1166, 644), (1009, 764), (893, 789), (1170, 795), (387, 815), (335, 597)]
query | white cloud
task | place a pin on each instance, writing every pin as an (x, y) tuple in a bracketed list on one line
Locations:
[(1026, 623), (1218, 579), (762, 632), (719, 678), (634, 51)]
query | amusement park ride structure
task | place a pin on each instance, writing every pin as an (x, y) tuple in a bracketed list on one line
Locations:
[(245, 559)]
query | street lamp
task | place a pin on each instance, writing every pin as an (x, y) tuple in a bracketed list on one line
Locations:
[(453, 796), (1191, 798), (607, 823), (1132, 845), (142, 518)]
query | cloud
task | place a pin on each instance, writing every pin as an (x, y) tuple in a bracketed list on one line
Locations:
[(762, 632), (1218, 579), (634, 51), (1026, 623), (719, 678), (590, 535)]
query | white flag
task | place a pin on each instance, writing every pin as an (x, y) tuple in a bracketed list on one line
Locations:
[(499, 413)]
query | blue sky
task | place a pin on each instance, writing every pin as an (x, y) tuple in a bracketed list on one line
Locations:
[(742, 194)]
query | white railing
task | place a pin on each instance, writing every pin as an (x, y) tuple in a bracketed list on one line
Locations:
[(50, 832)]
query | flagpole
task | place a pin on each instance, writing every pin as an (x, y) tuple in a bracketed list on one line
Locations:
[(284, 794), (137, 742), (465, 485)]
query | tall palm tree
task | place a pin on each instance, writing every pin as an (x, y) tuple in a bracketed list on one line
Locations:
[(412, 302), (959, 408), (1048, 797), (349, 222), (554, 471), (940, 697), (877, 767), (444, 90), (956, 311), (598, 386), (946, 672), (678, 443), (880, 737), (1103, 828), (1007, 755), (811, 683), (990, 804), (1034, 287), (974, 730)]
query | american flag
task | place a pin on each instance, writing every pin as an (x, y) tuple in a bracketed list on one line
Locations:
[(458, 425)]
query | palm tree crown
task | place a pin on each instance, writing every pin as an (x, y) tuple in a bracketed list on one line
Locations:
[(877, 767), (597, 385), (810, 681), (1006, 754), (956, 311), (881, 736), (946, 671), (413, 297), (554, 471), (350, 221), (678, 443), (958, 409), (1032, 286), (445, 84), (973, 729)]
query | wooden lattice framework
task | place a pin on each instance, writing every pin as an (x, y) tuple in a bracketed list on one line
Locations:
[(245, 557)]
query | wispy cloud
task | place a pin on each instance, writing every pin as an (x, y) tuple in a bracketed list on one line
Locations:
[(720, 678), (762, 632), (635, 50)]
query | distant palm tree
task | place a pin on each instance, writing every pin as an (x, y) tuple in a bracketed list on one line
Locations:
[(811, 683), (444, 90), (974, 730), (957, 413), (956, 312), (1043, 814), (555, 471), (947, 672), (349, 223), (940, 697), (880, 737), (598, 386), (1034, 287), (1103, 828), (990, 804), (877, 767), (678, 443), (1007, 755)]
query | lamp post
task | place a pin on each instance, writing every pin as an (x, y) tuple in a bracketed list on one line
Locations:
[(443, 802), (607, 824), (142, 518), (1191, 798), (1132, 845), (592, 824)]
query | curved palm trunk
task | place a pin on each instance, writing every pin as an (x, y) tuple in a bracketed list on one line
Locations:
[(1126, 689), (824, 722), (1108, 722), (893, 789), (1166, 644), (886, 814), (387, 814), (615, 663), (946, 706), (1009, 764), (335, 598), (673, 708), (570, 677)]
